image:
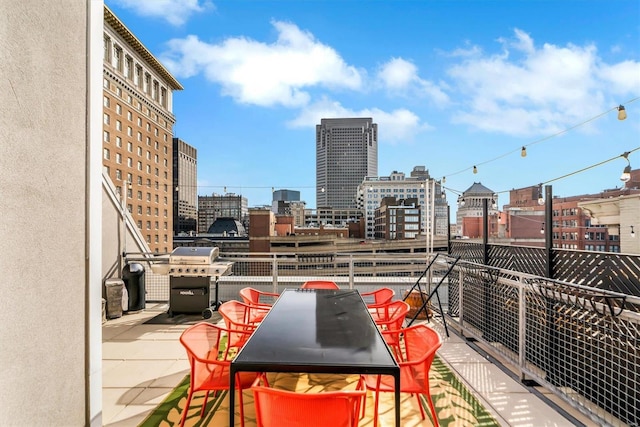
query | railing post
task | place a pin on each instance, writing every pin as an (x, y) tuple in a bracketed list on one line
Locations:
[(351, 280), (274, 269), (460, 301), (548, 231), (522, 327)]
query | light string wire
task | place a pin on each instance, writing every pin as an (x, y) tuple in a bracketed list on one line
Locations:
[(623, 155), (544, 139)]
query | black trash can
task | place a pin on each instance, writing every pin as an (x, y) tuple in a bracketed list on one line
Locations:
[(133, 277)]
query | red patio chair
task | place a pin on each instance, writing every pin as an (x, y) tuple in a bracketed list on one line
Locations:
[(241, 317), (284, 408), (319, 284), (390, 317), (378, 297), (209, 362), (253, 296), (419, 349)]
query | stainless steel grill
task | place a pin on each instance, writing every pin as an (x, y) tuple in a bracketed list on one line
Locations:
[(190, 272)]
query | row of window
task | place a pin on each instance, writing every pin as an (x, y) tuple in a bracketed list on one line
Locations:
[(133, 71)]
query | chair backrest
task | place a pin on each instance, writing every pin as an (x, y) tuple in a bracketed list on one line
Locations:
[(319, 284), (391, 316), (421, 343), (202, 342), (283, 408), (238, 315), (380, 296), (252, 296)]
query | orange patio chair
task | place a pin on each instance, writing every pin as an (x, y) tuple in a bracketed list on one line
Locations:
[(378, 297), (210, 364), (319, 284), (253, 296), (420, 343), (283, 408), (241, 317), (391, 317)]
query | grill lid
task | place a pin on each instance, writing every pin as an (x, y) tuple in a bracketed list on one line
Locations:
[(193, 255)]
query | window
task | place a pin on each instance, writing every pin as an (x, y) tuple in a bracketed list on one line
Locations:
[(105, 136), (129, 161), (129, 115), (119, 109), (129, 131), (139, 165), (118, 174), (118, 158), (163, 97), (129, 146), (105, 118), (117, 57), (106, 101), (138, 76), (147, 83), (128, 67), (107, 49), (118, 141), (106, 154), (155, 90), (118, 125)]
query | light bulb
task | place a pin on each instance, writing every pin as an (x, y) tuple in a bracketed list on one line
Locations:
[(475, 169), (626, 174), (622, 113), (523, 153), (540, 200)]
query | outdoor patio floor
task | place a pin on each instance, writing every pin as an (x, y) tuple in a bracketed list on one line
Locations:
[(142, 363)]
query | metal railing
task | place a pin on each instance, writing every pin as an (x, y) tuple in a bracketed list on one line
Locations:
[(581, 343)]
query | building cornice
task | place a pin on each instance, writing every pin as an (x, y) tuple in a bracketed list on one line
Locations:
[(115, 23)]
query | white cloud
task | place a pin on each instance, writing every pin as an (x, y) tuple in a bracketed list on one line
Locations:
[(175, 12), (400, 77), (526, 90), (254, 72), (397, 126)]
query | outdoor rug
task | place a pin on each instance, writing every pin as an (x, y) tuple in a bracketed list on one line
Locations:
[(455, 404)]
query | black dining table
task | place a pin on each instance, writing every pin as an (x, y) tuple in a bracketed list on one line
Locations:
[(317, 331)]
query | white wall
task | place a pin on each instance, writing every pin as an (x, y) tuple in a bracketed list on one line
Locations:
[(50, 244)]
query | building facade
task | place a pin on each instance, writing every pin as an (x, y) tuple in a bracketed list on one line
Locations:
[(470, 214), (346, 152), (138, 131), (419, 185), (217, 206), (185, 185), (397, 219)]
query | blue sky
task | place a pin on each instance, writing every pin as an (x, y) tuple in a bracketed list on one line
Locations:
[(451, 84)]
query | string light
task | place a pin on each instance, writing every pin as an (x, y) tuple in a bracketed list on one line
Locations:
[(540, 198), (626, 173), (633, 233), (622, 113), (542, 229), (523, 152)]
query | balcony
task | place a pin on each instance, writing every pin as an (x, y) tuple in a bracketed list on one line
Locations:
[(534, 351)]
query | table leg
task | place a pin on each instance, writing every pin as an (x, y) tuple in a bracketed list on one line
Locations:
[(397, 398), (232, 395)]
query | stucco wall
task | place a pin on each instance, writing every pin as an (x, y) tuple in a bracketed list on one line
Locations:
[(49, 344)]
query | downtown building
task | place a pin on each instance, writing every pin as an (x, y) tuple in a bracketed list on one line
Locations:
[(138, 131), (431, 201), (185, 185), (346, 153), (229, 205)]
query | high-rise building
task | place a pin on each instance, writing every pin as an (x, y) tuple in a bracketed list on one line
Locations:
[(428, 192), (185, 185), (138, 130), (346, 153), (217, 206)]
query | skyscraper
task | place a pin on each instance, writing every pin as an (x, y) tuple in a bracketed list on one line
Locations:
[(346, 152), (185, 185)]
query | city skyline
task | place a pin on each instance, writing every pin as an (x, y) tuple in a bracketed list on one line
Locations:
[(450, 84)]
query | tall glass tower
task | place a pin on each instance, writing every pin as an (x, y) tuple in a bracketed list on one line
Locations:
[(346, 152)]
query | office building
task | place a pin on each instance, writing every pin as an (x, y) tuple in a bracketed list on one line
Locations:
[(138, 131), (185, 185), (217, 206), (346, 152), (419, 185), (470, 214), (397, 219)]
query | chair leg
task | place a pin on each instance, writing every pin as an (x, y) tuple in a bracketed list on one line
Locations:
[(434, 415), (186, 409), (424, 416), (204, 404)]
